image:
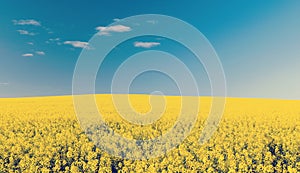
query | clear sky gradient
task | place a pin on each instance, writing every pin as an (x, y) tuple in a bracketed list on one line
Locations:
[(258, 43)]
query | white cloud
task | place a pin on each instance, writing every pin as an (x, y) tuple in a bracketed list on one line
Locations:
[(145, 44), (78, 44), (116, 28), (40, 53), (27, 54), (30, 43), (24, 32), (27, 22)]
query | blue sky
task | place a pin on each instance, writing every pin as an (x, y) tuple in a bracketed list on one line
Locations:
[(257, 42)]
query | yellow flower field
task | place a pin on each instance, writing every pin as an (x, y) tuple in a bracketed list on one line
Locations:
[(42, 134)]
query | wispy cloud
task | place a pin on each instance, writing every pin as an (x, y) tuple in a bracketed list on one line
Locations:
[(27, 55), (116, 19), (48, 30), (109, 29), (4, 83), (54, 39), (78, 44), (146, 44), (26, 22), (24, 32), (152, 21), (40, 53), (30, 43)]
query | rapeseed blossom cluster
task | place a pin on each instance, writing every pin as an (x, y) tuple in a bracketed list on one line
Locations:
[(255, 135)]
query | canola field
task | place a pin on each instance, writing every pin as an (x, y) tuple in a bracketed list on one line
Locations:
[(42, 134)]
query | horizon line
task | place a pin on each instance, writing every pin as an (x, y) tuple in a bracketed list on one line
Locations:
[(170, 95)]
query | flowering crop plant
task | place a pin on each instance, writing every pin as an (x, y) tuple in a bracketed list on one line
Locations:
[(255, 135)]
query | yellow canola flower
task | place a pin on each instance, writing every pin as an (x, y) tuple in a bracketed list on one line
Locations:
[(42, 134)]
